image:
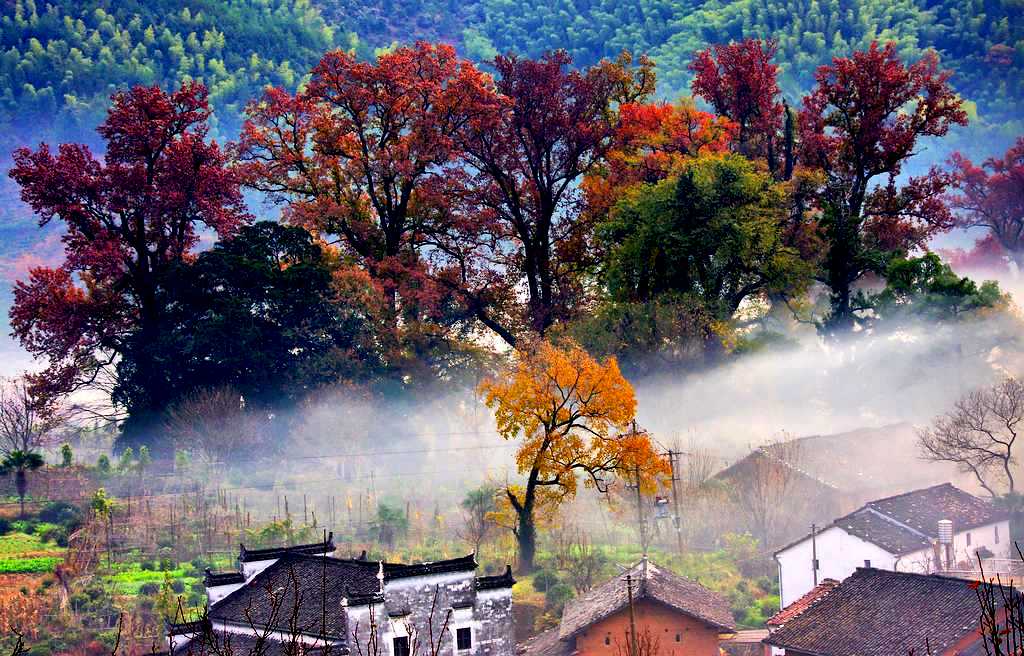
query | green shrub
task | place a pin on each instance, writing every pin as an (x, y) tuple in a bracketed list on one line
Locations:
[(556, 596), (149, 589), (67, 515), (51, 533), (544, 580)]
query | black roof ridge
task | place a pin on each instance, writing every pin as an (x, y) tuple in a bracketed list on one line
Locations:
[(916, 491), (213, 577), (188, 626), (496, 581), (945, 578), (250, 555), (400, 570)]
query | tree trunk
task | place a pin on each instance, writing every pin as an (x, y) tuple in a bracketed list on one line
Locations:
[(21, 483), (526, 536)]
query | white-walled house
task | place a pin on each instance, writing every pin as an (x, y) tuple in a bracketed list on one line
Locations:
[(302, 600), (899, 533)]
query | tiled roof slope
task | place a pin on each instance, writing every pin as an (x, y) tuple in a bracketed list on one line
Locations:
[(309, 583), (546, 644), (872, 527), (922, 509), (803, 603), (909, 522), (650, 582), (218, 643), (880, 613)]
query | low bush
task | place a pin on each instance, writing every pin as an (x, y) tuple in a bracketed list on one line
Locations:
[(149, 589)]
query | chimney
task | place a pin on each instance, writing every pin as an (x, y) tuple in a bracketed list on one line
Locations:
[(946, 541)]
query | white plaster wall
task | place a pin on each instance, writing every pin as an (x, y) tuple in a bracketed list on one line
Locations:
[(216, 593), (839, 556)]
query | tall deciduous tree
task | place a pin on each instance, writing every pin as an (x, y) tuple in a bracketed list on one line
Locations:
[(979, 435), (127, 218), (741, 83), (992, 197), (367, 153), (555, 124), (714, 232), (265, 313), (861, 123), (572, 416)]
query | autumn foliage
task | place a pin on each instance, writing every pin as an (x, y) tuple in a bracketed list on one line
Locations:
[(991, 196), (127, 218), (740, 81), (572, 416), (862, 122)]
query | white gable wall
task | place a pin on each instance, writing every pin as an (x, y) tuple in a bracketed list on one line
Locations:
[(839, 555)]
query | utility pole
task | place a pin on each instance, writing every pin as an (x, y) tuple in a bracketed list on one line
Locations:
[(632, 617), (640, 509), (814, 552), (675, 498)]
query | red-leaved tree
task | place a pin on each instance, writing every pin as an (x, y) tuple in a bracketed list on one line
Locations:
[(992, 197), (554, 126), (367, 155), (127, 217), (741, 83), (861, 123)]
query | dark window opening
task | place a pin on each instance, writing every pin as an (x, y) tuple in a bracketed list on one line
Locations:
[(463, 639), (816, 564), (401, 646), (867, 563), (608, 640), (679, 637)]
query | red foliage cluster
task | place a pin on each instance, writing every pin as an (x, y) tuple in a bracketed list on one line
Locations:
[(368, 152), (992, 196), (740, 82), (126, 218)]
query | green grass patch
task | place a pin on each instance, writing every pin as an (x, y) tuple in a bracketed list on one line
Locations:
[(27, 565), (14, 545)]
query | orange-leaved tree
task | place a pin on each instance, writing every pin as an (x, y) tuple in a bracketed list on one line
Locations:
[(572, 416)]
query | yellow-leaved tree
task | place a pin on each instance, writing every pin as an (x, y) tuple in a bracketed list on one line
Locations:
[(573, 416)]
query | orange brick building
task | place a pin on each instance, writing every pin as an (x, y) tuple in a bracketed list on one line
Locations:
[(673, 617)]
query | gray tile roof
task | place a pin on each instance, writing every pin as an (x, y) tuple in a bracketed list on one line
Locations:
[(546, 644), (649, 582), (310, 586), (908, 522), (880, 613)]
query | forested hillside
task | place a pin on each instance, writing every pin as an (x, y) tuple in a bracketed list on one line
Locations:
[(62, 59)]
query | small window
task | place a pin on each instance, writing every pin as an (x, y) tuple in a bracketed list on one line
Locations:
[(817, 564), (997, 533), (867, 563), (608, 639), (463, 638), (401, 646), (679, 637), (968, 539)]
